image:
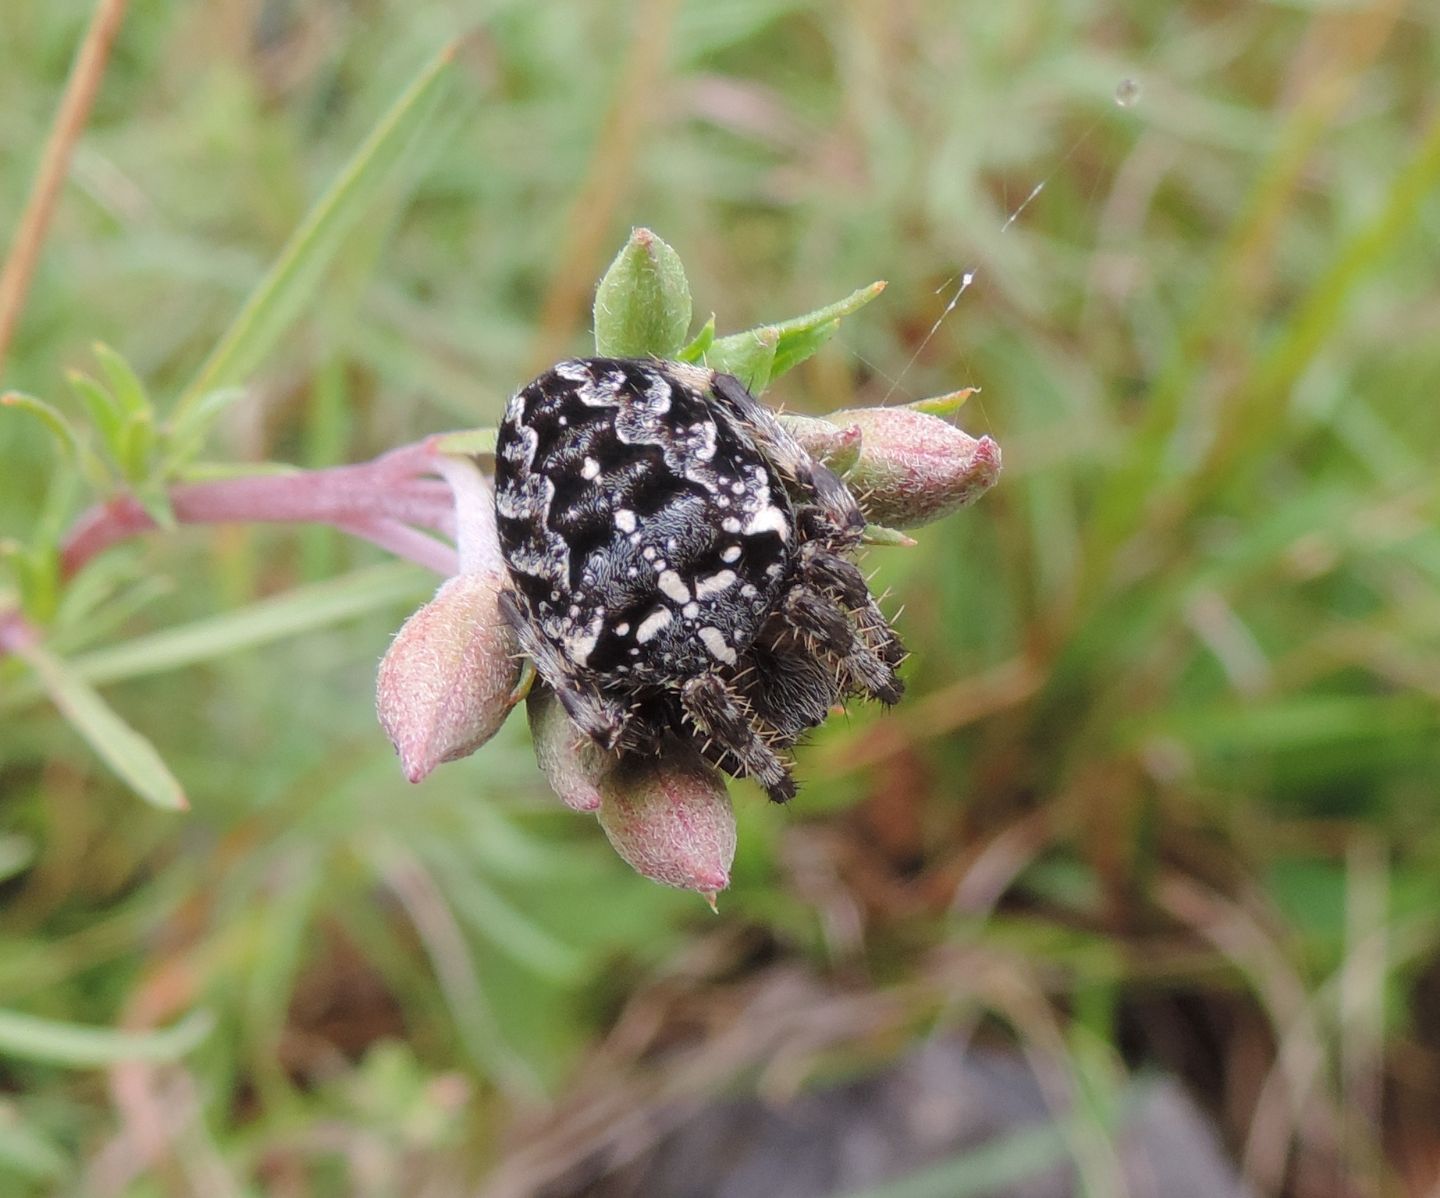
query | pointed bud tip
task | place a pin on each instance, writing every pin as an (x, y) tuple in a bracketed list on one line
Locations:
[(670, 819)]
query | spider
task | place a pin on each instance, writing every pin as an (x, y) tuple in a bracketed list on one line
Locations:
[(680, 565)]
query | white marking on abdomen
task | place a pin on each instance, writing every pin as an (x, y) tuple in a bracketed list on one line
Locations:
[(705, 587), (652, 624), (714, 641), (671, 584)]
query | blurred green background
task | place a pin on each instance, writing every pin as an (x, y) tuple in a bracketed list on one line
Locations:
[(1163, 796)]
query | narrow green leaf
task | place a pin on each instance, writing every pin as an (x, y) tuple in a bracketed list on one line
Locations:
[(105, 413), (944, 405), (125, 384), (123, 749), (797, 339), (302, 610), (51, 417), (703, 340), (296, 273), (54, 1043), (137, 440)]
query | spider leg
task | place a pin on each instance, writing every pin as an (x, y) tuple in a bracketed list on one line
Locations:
[(720, 715), (816, 617), (603, 719), (842, 581), (789, 690)]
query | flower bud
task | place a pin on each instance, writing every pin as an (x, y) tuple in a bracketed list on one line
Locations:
[(572, 763), (642, 305), (836, 445), (914, 467), (670, 819), (446, 683)]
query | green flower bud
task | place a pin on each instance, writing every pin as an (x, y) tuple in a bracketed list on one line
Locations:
[(642, 306)]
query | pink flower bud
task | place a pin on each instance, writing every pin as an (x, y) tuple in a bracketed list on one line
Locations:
[(572, 763), (670, 819), (912, 467), (835, 444), (446, 683)]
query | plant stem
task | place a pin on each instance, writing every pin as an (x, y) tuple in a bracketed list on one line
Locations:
[(386, 501), (70, 120)]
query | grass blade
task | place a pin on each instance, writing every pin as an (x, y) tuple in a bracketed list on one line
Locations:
[(302, 610), (295, 274), (55, 1043), (123, 749)]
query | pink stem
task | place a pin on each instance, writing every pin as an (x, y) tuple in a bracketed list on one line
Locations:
[(404, 541), (387, 489)]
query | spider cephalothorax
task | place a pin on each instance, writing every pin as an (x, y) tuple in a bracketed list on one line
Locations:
[(679, 565)]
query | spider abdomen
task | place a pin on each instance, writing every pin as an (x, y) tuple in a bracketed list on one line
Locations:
[(649, 537)]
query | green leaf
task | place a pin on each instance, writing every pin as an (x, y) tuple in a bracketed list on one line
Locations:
[(54, 1043), (125, 384), (123, 749), (105, 413), (60, 428), (642, 305), (136, 441), (293, 278), (299, 611), (750, 357), (795, 340), (703, 340), (944, 405)]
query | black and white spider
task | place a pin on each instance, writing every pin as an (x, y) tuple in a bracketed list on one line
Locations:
[(680, 565)]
